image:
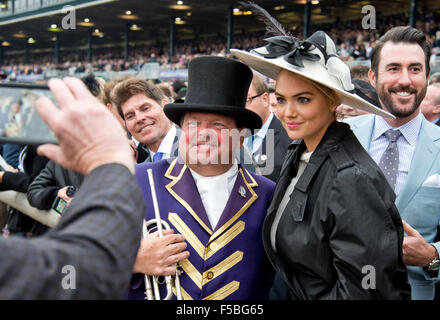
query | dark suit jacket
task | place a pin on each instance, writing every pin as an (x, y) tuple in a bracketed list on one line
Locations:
[(271, 153), (92, 248), (43, 191)]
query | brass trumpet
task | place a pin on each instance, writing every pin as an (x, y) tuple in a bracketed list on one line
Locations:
[(151, 282)]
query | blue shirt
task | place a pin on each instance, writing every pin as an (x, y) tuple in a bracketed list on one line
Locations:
[(406, 144), (259, 136)]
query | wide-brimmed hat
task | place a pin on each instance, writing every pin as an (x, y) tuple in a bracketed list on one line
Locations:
[(217, 85), (314, 58), (366, 91)]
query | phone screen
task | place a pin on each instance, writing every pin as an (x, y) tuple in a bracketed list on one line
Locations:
[(20, 122)]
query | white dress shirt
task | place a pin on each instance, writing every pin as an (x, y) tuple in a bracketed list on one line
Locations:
[(304, 160), (406, 144), (166, 146), (215, 191)]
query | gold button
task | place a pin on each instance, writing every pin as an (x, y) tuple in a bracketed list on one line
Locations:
[(213, 246), (210, 275)]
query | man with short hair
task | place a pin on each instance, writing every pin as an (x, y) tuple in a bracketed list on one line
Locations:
[(140, 104), (205, 196), (431, 104), (266, 148), (407, 149)]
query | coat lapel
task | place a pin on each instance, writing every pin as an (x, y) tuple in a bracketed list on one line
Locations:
[(240, 199), (364, 130), (424, 155), (184, 190), (143, 154)]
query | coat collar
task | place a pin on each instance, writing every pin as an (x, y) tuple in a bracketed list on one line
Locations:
[(183, 188), (329, 142), (334, 134)]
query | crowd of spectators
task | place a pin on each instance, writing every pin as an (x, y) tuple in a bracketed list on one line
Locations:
[(353, 43)]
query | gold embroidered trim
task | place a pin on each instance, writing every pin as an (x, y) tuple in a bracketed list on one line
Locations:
[(224, 239), (224, 291), (170, 169), (190, 237), (192, 272), (185, 295), (254, 183), (222, 267), (178, 198), (240, 212)]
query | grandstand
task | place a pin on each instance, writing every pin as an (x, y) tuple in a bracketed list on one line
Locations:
[(158, 38)]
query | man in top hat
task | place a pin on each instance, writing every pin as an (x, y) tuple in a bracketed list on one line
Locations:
[(205, 196)]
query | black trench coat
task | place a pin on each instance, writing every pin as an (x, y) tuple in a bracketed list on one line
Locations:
[(340, 236)]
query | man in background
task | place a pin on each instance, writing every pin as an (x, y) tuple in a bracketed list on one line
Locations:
[(264, 151), (407, 149), (431, 104), (140, 105)]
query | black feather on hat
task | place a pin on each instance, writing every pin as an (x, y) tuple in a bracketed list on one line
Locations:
[(314, 58), (217, 85)]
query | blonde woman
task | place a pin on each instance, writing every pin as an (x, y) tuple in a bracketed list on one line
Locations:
[(332, 230)]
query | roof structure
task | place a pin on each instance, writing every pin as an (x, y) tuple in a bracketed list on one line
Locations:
[(149, 21)]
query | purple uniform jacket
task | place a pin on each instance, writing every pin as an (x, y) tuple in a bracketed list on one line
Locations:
[(228, 262)]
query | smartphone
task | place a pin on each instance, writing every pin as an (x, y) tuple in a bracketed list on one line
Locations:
[(20, 122)]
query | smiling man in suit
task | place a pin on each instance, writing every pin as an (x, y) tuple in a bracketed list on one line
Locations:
[(140, 105), (264, 150), (407, 149)]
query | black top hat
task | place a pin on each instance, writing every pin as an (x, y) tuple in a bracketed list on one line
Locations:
[(217, 85)]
